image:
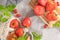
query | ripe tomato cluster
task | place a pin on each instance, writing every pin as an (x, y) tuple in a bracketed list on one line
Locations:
[(16, 24), (48, 7), (40, 9)]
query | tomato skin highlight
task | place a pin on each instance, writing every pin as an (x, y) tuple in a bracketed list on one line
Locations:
[(51, 16), (19, 32), (26, 22), (14, 23), (39, 10)]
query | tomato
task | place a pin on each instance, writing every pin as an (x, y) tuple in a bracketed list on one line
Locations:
[(14, 23), (19, 32), (26, 22), (18, 15), (42, 2), (45, 26), (50, 6), (15, 11), (51, 16), (39, 10)]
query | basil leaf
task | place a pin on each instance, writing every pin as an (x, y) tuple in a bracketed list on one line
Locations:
[(36, 36), (2, 7), (11, 7), (23, 37), (1, 16), (7, 13), (4, 19)]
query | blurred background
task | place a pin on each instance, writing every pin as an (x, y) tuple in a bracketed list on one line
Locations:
[(6, 2)]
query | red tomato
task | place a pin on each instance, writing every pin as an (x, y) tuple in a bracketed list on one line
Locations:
[(51, 16), (19, 32), (18, 15), (42, 2), (45, 26), (15, 11), (50, 6), (26, 22), (14, 23), (39, 10)]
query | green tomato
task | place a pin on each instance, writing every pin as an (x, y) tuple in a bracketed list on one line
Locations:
[(4, 19)]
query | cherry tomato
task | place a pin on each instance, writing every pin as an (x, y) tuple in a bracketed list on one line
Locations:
[(19, 32), (26, 22), (45, 26), (15, 11), (14, 23), (18, 15)]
